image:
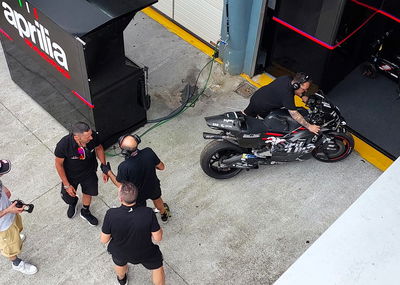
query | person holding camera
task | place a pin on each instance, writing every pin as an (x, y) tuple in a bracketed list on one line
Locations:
[(11, 226), (129, 229), (76, 164)]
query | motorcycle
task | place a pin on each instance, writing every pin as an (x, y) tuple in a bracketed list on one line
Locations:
[(246, 143), (385, 58)]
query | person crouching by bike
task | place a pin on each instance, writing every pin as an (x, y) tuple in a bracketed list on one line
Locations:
[(280, 93), (11, 226)]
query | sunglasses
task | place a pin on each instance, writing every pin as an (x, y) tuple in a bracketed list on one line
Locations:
[(82, 154)]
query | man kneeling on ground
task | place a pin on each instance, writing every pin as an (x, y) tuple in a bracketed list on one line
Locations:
[(130, 229)]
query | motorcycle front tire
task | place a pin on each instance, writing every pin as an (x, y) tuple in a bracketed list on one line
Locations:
[(212, 155), (343, 145)]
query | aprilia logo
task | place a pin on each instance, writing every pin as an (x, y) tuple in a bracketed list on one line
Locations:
[(36, 33)]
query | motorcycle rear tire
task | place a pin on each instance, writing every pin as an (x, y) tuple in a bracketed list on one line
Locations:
[(345, 144), (213, 153)]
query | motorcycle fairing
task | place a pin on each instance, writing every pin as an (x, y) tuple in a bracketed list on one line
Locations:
[(230, 121), (277, 121), (254, 133)]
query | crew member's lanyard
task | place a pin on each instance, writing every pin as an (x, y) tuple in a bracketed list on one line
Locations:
[(82, 153)]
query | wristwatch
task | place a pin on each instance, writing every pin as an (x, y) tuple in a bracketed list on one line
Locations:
[(66, 187)]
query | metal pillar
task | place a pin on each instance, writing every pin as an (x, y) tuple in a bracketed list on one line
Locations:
[(241, 27)]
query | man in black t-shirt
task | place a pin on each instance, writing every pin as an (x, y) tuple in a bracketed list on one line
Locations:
[(140, 168), (130, 229), (280, 93), (76, 164)]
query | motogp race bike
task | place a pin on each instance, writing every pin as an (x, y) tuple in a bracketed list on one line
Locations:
[(245, 142), (385, 58)]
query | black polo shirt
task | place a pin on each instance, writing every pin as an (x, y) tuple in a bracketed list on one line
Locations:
[(76, 164), (130, 229), (275, 95), (140, 169)]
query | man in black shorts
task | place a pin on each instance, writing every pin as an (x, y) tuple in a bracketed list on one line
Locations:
[(130, 229), (140, 168), (280, 93), (76, 164)]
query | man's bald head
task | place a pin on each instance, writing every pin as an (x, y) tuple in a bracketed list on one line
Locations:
[(129, 143)]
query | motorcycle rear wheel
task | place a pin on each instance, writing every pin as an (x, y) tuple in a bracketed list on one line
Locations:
[(340, 148), (213, 154)]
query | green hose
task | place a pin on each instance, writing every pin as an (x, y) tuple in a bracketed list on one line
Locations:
[(191, 104)]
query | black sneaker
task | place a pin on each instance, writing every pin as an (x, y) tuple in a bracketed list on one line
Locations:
[(167, 214), (123, 281), (92, 220), (72, 210)]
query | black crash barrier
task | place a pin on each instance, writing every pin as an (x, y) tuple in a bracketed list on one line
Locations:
[(69, 57)]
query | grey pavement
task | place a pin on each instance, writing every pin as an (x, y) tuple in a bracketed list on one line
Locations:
[(361, 247), (245, 230)]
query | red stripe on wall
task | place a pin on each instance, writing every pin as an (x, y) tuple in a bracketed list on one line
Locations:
[(328, 46), (82, 99), (5, 34), (47, 58)]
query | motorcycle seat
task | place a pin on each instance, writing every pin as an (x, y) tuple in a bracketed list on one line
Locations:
[(278, 120), (281, 121), (255, 125), (275, 121)]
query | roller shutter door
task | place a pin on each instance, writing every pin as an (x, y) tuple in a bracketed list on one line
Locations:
[(165, 6), (201, 17)]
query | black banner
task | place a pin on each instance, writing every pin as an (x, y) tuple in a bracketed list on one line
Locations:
[(57, 51)]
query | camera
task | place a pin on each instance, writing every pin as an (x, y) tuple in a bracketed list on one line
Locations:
[(27, 207)]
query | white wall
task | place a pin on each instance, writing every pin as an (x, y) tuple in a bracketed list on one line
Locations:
[(201, 17)]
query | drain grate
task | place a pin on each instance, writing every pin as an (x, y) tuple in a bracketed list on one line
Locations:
[(245, 89)]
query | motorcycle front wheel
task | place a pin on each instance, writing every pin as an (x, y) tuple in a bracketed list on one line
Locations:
[(340, 147), (211, 159)]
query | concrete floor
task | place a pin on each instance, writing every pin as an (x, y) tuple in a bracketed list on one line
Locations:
[(246, 230), (362, 246)]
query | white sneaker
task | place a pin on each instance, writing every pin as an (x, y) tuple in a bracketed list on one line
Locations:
[(25, 267), (22, 236)]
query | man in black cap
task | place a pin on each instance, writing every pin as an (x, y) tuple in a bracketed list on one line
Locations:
[(130, 229), (11, 226), (76, 164)]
